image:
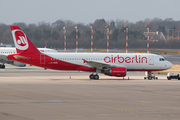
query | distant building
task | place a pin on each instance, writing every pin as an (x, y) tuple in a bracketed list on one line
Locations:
[(6, 45), (155, 36)]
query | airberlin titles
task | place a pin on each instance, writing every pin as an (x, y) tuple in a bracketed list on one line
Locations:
[(121, 59)]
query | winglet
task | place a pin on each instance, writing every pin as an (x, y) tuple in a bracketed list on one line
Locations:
[(22, 43)]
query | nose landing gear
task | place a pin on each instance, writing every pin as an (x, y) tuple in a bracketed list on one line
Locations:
[(150, 75)]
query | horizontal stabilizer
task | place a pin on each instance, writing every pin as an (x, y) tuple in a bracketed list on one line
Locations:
[(20, 57)]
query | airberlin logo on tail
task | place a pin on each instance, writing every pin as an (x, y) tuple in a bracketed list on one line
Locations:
[(20, 40)]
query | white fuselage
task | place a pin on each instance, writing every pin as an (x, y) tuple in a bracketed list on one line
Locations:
[(11, 50), (132, 61)]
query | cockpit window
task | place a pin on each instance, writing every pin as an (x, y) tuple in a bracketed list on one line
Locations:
[(161, 59)]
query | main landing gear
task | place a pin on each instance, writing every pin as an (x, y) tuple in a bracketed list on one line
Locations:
[(2, 66), (92, 76), (96, 76), (150, 75)]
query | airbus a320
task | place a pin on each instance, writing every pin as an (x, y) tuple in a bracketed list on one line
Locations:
[(111, 64)]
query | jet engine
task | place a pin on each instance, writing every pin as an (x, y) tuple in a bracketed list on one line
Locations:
[(19, 64), (116, 71)]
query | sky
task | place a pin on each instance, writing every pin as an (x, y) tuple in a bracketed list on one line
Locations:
[(86, 11)]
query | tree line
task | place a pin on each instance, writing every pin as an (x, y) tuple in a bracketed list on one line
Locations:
[(52, 33)]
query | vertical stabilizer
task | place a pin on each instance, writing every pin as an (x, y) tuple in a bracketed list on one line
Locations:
[(22, 43)]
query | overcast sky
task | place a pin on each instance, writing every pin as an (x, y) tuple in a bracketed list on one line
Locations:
[(86, 11)]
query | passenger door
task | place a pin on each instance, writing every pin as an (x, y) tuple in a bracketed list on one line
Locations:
[(151, 60), (42, 59)]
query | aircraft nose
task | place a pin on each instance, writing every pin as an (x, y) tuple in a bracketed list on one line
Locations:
[(168, 65)]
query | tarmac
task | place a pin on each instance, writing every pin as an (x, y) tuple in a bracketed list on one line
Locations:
[(32, 93)]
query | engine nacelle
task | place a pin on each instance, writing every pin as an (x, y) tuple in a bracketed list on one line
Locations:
[(116, 71), (19, 64)]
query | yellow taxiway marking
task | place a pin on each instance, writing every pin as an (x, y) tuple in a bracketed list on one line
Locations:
[(158, 115), (172, 115), (136, 115), (114, 108)]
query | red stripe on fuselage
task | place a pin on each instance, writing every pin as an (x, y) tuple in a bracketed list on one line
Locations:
[(50, 63)]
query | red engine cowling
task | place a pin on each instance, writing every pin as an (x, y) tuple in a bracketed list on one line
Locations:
[(116, 71)]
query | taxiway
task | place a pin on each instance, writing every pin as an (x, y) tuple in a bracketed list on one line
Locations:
[(35, 94)]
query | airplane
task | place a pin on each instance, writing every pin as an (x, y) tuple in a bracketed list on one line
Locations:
[(111, 64), (4, 51)]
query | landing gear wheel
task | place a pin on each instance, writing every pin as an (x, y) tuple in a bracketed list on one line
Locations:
[(2, 66), (149, 78), (96, 77), (144, 78), (91, 76)]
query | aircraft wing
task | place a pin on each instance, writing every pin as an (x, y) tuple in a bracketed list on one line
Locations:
[(100, 65), (3, 58)]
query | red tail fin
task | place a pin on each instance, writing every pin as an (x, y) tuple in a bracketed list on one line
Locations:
[(22, 43)]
